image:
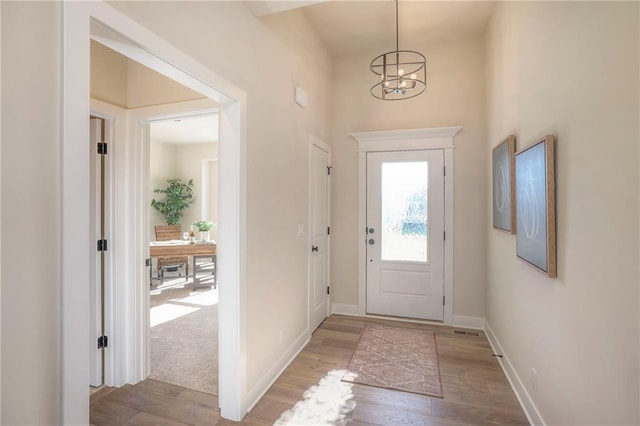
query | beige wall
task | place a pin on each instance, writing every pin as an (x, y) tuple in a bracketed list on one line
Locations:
[(119, 81), (162, 166), (109, 71), (266, 59), (146, 88), (30, 213), (188, 160), (454, 97), (571, 70)]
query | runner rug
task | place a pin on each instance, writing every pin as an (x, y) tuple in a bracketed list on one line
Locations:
[(397, 358)]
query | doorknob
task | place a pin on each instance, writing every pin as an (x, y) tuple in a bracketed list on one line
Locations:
[(371, 241), (314, 248)]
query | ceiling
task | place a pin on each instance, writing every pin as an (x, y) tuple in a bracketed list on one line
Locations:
[(352, 26), (196, 129)]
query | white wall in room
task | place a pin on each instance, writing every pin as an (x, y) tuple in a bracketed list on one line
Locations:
[(162, 166), (188, 161), (30, 170), (571, 70), (266, 58), (455, 96)]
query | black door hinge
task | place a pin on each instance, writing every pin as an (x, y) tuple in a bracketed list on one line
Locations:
[(102, 148), (103, 342), (443, 299), (328, 230), (328, 290), (329, 170), (147, 262), (102, 245)]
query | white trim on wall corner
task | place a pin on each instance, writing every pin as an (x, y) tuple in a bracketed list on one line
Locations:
[(529, 407)]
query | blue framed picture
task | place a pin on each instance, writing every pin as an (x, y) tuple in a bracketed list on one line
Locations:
[(504, 185), (536, 205)]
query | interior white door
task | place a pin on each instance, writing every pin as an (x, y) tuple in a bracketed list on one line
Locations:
[(95, 283), (405, 234), (318, 235)]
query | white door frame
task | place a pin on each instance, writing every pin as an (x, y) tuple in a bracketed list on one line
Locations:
[(406, 140), (80, 22), (139, 145), (314, 140), (115, 120)]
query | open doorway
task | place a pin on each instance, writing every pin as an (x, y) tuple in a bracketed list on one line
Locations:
[(183, 317)]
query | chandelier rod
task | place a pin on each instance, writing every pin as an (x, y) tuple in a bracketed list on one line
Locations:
[(397, 44)]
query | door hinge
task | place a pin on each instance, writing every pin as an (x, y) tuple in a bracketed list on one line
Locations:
[(103, 342), (328, 230), (102, 245), (147, 262), (444, 235), (444, 171), (102, 148), (329, 170), (443, 300), (328, 290)]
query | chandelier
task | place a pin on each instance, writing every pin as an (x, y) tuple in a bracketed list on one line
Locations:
[(402, 73)]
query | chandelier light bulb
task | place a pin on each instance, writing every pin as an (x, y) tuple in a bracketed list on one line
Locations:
[(400, 72), (413, 76)]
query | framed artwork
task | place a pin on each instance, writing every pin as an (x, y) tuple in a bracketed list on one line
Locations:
[(504, 185), (536, 205)]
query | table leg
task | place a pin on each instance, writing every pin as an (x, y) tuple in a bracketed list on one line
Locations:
[(195, 275)]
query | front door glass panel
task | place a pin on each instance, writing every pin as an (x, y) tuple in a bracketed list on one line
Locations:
[(405, 222)]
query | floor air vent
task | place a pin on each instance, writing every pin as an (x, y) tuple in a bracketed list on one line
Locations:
[(467, 333)]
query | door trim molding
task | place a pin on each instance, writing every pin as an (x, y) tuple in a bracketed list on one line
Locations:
[(407, 140), (98, 20)]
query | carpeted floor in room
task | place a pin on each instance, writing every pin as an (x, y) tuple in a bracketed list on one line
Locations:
[(184, 335)]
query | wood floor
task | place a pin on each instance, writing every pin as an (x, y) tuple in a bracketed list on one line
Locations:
[(476, 391)]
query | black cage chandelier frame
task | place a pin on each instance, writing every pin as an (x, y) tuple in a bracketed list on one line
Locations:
[(403, 73)]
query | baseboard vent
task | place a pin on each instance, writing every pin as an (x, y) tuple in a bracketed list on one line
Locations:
[(472, 333)]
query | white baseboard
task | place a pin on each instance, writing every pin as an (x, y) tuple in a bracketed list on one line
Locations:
[(344, 309), (476, 323), (259, 389), (530, 409)]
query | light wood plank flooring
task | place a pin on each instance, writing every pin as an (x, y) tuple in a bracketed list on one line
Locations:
[(476, 391)]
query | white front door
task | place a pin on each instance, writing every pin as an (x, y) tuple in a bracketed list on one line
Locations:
[(318, 234), (405, 234)]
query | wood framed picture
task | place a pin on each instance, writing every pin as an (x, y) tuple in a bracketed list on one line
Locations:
[(536, 205), (504, 185)]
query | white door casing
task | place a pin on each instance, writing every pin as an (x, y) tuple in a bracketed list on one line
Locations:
[(319, 163), (405, 234), (406, 140), (95, 283), (98, 20)]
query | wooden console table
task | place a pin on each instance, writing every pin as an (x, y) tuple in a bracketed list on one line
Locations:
[(183, 248)]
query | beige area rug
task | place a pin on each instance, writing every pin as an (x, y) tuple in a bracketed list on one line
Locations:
[(184, 338), (397, 358)]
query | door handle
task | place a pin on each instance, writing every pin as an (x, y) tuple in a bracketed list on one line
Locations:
[(371, 241), (314, 248)]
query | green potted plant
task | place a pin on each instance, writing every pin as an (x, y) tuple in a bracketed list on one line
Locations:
[(178, 196), (204, 226)]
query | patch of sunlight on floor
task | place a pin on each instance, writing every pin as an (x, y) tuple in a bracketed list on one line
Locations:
[(168, 312), (207, 298), (327, 403)]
